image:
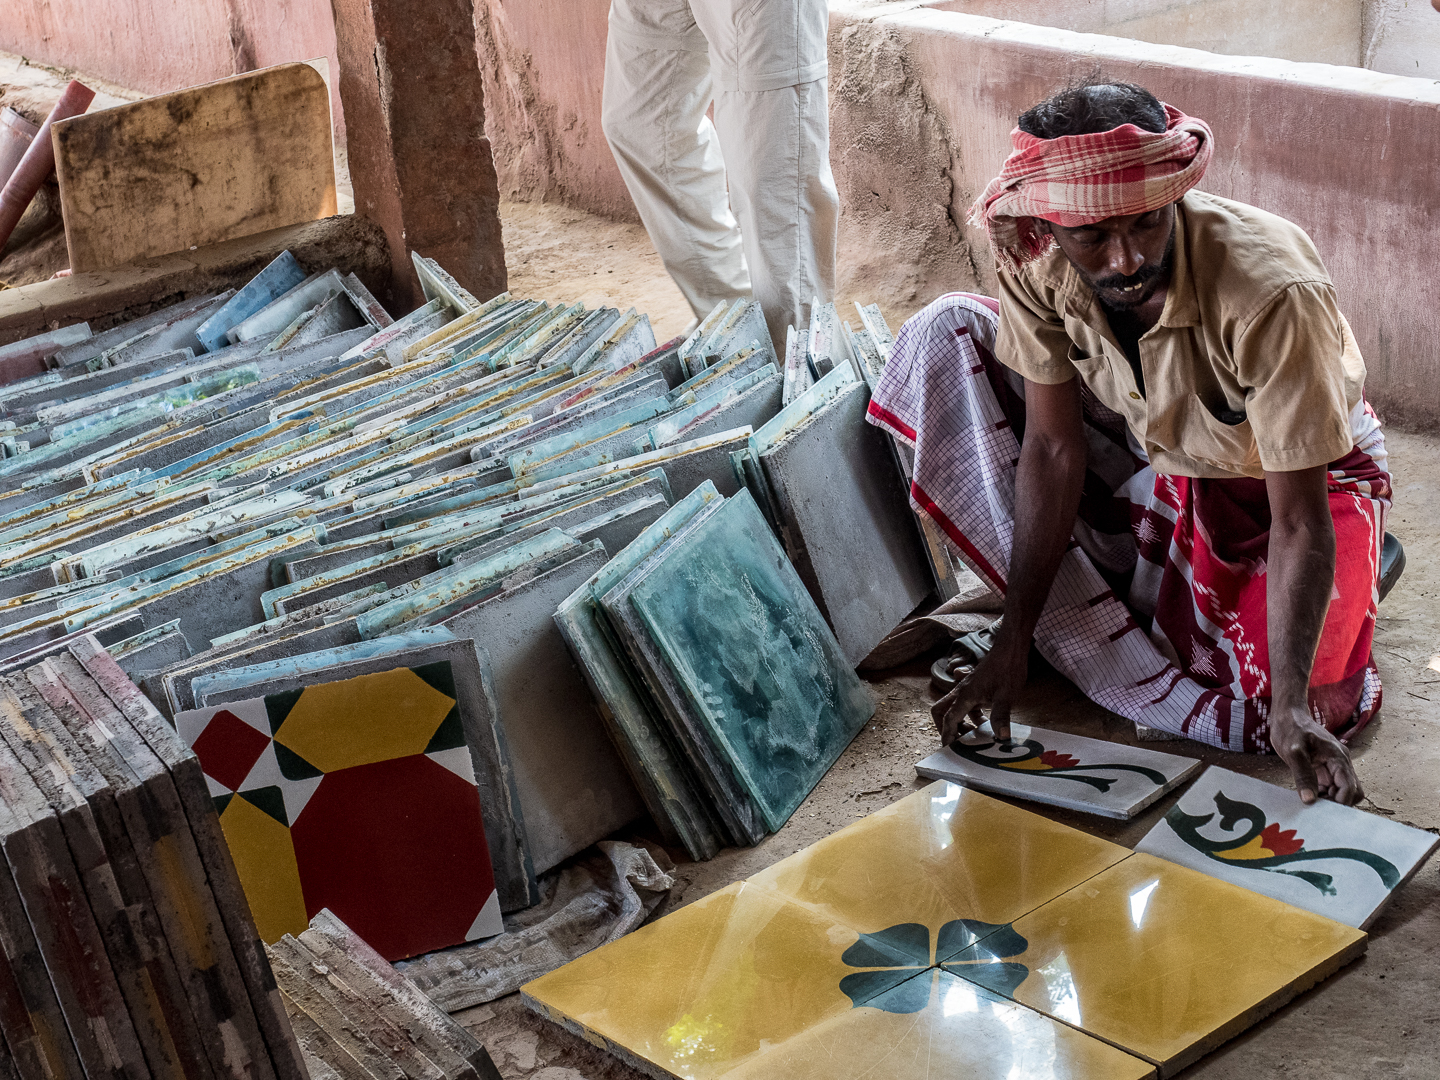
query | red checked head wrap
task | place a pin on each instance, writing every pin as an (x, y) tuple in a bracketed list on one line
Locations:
[(1081, 179)]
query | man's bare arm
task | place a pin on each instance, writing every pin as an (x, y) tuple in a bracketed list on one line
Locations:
[(1300, 576), (1047, 494)]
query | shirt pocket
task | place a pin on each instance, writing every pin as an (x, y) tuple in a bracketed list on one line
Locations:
[(1099, 377), (1205, 437)]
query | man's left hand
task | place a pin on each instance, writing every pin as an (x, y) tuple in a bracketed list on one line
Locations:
[(1318, 760)]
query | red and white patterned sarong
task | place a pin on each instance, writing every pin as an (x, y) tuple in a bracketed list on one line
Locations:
[(1158, 610)]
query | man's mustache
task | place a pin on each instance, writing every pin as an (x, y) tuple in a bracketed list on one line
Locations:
[(1147, 273)]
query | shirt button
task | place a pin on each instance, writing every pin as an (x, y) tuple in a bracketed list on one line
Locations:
[(1134, 395)]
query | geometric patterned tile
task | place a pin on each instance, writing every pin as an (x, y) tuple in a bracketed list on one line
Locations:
[(941, 856), (359, 796)]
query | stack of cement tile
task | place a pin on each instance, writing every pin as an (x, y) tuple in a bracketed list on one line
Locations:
[(831, 484), (283, 472), (128, 947), (723, 685), (357, 1018), (464, 466)]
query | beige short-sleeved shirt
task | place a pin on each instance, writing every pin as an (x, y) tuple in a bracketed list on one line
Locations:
[(1250, 325)]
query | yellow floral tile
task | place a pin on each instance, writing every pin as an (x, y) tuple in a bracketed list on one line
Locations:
[(1160, 960), (938, 1027), (703, 989), (944, 855)]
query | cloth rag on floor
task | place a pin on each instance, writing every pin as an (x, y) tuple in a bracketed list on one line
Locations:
[(593, 901), (1158, 610), (1080, 179), (764, 66)]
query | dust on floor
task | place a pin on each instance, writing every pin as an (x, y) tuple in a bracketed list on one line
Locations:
[(553, 252)]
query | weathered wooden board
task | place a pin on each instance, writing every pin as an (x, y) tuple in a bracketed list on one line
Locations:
[(206, 164)]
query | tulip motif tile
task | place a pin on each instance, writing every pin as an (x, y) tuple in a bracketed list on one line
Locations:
[(1089, 775), (947, 935), (1337, 861)]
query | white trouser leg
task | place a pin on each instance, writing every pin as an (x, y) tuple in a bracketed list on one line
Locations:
[(657, 89), (777, 152)]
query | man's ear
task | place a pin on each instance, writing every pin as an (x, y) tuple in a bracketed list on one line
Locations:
[(1046, 228)]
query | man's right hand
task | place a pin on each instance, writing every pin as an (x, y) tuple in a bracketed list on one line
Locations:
[(993, 684)]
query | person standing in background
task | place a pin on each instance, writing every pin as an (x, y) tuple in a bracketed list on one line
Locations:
[(772, 235)]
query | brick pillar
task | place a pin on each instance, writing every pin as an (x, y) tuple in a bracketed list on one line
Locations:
[(415, 121)]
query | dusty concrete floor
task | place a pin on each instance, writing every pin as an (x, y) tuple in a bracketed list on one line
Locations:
[(1377, 1018), (555, 252)]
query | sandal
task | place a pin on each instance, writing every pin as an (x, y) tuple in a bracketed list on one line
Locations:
[(968, 651), (1392, 563)]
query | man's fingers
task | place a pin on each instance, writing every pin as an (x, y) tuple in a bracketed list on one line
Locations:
[(1000, 719), (1303, 769), (941, 709)]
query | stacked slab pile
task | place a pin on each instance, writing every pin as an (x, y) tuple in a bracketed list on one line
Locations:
[(357, 1018), (256, 480), (719, 675), (128, 946)]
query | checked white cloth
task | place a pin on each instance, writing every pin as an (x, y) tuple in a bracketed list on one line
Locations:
[(944, 394)]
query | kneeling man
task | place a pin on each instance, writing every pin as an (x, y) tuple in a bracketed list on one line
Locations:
[(1190, 526)]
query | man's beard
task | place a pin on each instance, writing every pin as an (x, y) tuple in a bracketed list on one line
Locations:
[(1146, 275)]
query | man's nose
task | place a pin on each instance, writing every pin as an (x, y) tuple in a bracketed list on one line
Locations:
[(1125, 257)]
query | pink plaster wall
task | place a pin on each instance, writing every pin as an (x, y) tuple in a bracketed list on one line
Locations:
[(543, 62), (155, 46), (1347, 154)]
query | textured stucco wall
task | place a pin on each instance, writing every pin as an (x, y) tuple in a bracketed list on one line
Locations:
[(543, 62), (1326, 33), (1347, 154), (1401, 37), (155, 46)]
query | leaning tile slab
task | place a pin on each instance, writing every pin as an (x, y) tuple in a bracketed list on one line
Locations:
[(1164, 962), (1336, 861), (573, 787), (1090, 775), (358, 795), (160, 1016), (846, 523), (748, 645), (138, 723), (33, 1019), (671, 793), (623, 628), (160, 838), (474, 692)]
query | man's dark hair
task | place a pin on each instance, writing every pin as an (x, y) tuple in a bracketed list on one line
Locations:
[(1092, 107)]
